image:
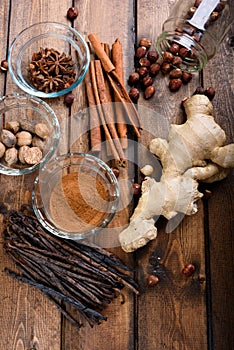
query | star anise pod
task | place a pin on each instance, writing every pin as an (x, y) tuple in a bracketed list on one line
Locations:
[(51, 71)]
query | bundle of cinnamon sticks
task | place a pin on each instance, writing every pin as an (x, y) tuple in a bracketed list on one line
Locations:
[(112, 112)]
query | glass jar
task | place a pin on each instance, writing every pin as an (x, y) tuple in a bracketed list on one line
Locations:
[(195, 28)]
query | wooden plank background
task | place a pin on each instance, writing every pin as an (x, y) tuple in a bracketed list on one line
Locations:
[(179, 313)]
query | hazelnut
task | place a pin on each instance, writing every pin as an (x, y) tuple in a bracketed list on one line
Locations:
[(183, 52), (4, 65), (188, 270), (175, 73), (220, 7), (177, 60), (199, 90), (168, 57), (214, 16), (140, 52), (186, 77), (115, 171), (152, 280), (175, 84), (144, 62), (69, 99), (27, 125), (165, 67), (134, 94), (210, 93), (72, 13), (154, 69), (38, 142), (147, 170), (21, 154), (11, 156), (8, 138), (32, 155), (197, 3), (2, 149), (149, 92), (13, 126), (174, 48), (145, 42), (147, 81), (24, 138), (133, 78), (191, 11), (142, 71), (152, 56), (42, 130), (136, 188)]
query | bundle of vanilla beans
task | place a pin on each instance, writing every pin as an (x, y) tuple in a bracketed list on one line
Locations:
[(105, 85), (82, 275)]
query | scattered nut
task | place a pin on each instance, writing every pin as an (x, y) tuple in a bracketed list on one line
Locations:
[(149, 92), (188, 270), (147, 170), (145, 42), (152, 56), (175, 84), (8, 138), (141, 51), (72, 13), (33, 155), (147, 81), (197, 3), (199, 90), (214, 16), (177, 60), (142, 71), (134, 94), (136, 188), (165, 67), (210, 93), (152, 280), (186, 77), (168, 57), (24, 138), (144, 62), (4, 65), (38, 142), (133, 78), (42, 130), (11, 156), (191, 11), (21, 154), (154, 69), (69, 99), (220, 7), (13, 126), (175, 73), (2, 149)]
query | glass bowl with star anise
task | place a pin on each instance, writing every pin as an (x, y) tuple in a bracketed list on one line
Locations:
[(48, 59)]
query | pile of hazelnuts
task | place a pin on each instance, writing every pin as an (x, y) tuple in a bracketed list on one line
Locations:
[(148, 65)]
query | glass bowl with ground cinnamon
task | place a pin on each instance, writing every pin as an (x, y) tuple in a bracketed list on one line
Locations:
[(48, 59), (75, 195)]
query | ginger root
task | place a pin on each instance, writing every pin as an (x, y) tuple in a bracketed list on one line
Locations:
[(194, 152)]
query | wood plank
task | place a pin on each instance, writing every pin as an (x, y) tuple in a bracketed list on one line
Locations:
[(220, 206), (166, 312), (118, 331), (31, 320)]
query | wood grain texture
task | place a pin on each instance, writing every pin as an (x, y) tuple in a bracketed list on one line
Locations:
[(220, 207), (172, 314)]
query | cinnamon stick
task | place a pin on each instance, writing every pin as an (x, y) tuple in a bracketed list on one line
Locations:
[(107, 108), (99, 50), (98, 103), (95, 130), (117, 60)]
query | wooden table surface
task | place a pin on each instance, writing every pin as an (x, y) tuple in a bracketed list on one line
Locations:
[(179, 313)]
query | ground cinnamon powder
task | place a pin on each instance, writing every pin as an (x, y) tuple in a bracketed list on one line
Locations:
[(79, 201)]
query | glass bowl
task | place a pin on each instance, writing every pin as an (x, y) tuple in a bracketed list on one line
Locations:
[(75, 195), (32, 47), (22, 112)]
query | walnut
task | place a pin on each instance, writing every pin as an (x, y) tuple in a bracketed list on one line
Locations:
[(24, 138), (42, 130), (11, 156), (8, 138), (13, 126), (2, 149), (33, 155)]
